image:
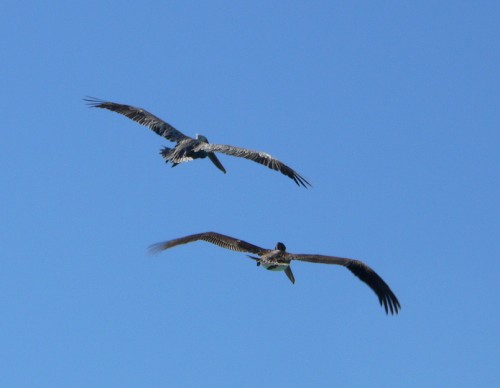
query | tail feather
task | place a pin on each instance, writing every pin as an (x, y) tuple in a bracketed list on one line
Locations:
[(165, 152)]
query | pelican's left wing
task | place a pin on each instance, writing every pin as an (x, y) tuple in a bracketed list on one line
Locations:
[(385, 295), (257, 156)]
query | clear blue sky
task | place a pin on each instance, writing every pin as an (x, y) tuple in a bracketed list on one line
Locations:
[(390, 109)]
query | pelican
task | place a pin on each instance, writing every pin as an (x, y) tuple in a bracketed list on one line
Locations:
[(187, 148), (278, 259)]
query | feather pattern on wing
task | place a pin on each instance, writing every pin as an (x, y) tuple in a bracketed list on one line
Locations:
[(367, 275), (256, 156), (140, 116), (213, 238)]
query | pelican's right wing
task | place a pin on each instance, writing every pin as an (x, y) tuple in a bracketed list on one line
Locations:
[(211, 237), (140, 116)]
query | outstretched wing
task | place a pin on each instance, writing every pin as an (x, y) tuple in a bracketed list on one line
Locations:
[(257, 156), (211, 237), (385, 295), (140, 116)]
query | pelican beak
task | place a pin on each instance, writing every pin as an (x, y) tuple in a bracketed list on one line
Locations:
[(288, 272), (216, 161)]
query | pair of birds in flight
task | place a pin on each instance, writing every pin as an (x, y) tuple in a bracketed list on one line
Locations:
[(277, 259)]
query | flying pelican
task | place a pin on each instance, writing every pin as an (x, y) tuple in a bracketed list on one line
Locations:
[(278, 259), (187, 148)]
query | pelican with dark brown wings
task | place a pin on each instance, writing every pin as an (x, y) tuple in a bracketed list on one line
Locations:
[(188, 148), (278, 259)]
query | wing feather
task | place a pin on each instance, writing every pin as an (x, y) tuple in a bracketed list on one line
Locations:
[(367, 275), (256, 156), (221, 240), (140, 116)]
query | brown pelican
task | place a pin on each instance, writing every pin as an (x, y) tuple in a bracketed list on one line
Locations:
[(187, 148), (278, 259)]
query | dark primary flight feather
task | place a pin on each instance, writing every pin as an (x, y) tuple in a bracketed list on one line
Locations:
[(185, 144), (367, 275)]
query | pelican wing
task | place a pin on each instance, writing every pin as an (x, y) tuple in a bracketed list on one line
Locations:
[(257, 156), (211, 237), (385, 295), (140, 116)]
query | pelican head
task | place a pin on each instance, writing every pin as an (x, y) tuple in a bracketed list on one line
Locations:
[(201, 138), (280, 247)]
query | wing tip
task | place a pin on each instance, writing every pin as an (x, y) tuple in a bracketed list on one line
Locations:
[(93, 102), (390, 303), (303, 182), (156, 248), (298, 179)]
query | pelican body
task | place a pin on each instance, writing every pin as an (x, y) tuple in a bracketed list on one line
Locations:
[(278, 259), (188, 148)]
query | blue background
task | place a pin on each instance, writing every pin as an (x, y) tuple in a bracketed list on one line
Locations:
[(390, 109)]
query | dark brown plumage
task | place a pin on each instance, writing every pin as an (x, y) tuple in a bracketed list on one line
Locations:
[(279, 260), (188, 149)]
